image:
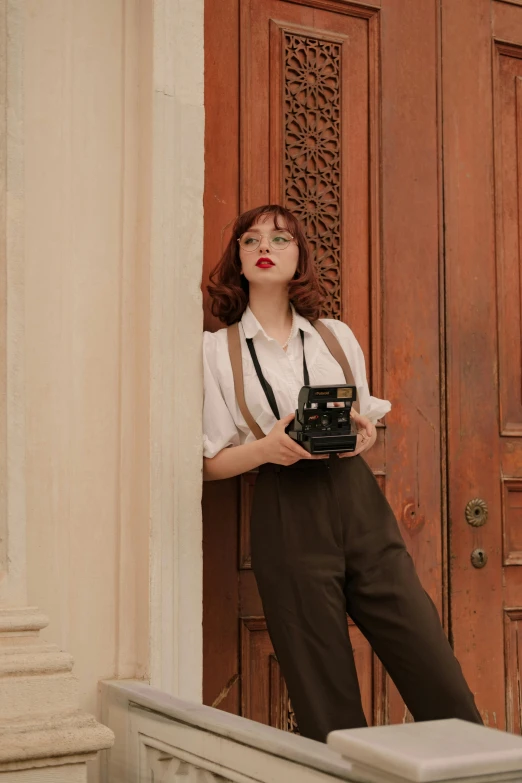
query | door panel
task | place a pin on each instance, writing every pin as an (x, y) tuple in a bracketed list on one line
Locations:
[(507, 93), (304, 142), (333, 118), (264, 694), (411, 316), (334, 109), (482, 154)]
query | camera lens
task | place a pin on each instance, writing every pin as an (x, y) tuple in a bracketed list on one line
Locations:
[(325, 419)]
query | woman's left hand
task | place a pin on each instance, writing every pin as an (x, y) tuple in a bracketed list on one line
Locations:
[(366, 434)]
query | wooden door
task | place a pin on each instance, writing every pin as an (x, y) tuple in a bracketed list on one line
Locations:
[(482, 105), (322, 105)]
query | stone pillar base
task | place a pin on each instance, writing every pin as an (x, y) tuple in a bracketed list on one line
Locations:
[(43, 735)]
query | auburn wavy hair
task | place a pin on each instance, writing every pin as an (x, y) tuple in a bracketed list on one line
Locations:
[(229, 290)]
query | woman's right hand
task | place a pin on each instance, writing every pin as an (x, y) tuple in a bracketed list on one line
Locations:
[(279, 447)]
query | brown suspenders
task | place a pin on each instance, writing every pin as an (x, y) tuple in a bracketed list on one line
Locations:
[(234, 351), (334, 346)]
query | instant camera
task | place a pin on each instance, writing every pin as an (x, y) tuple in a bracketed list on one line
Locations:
[(318, 426)]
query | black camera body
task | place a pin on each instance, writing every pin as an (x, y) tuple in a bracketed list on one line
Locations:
[(321, 429)]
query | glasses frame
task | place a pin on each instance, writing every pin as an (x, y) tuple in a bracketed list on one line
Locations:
[(253, 250)]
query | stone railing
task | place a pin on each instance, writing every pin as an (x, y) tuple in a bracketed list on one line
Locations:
[(161, 739)]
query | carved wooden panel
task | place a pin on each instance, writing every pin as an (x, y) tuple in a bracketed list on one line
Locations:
[(512, 521), (513, 651), (282, 714), (362, 653), (264, 693), (246, 490), (508, 186), (322, 151), (312, 149), (259, 678)]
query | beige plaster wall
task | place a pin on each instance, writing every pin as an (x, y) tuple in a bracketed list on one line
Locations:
[(114, 174), (87, 89)]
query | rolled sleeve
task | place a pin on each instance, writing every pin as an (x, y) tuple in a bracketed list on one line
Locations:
[(219, 429), (376, 408)]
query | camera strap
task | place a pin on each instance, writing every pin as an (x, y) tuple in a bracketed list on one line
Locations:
[(269, 392), (234, 350)]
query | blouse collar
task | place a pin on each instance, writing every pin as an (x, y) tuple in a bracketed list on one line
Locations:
[(252, 327)]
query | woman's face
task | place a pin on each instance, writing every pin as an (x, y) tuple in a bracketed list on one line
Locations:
[(267, 258)]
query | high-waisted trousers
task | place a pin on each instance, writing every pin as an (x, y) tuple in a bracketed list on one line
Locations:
[(325, 543)]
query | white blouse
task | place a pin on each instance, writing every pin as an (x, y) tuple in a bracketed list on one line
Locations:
[(223, 424)]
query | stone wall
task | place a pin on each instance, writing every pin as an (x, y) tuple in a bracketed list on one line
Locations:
[(102, 282)]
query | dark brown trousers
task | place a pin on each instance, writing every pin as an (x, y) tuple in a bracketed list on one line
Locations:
[(325, 543)]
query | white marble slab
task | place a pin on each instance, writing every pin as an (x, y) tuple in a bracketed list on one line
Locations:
[(442, 750)]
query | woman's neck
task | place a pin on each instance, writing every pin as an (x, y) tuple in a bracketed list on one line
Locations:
[(272, 310)]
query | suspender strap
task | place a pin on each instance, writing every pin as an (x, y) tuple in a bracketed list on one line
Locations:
[(234, 351), (334, 346)]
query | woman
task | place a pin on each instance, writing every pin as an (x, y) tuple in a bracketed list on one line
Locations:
[(324, 539)]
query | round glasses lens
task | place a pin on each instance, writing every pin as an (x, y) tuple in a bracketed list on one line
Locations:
[(280, 239), (250, 240)]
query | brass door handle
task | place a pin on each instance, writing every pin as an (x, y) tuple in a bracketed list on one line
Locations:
[(476, 512)]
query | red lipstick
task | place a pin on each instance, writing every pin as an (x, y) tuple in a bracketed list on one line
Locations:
[(264, 263)]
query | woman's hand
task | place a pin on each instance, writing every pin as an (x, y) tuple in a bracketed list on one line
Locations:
[(366, 434), (279, 448)]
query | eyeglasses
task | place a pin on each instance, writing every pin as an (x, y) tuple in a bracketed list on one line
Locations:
[(277, 240)]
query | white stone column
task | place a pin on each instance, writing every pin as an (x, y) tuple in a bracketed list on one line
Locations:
[(43, 735), (176, 323)]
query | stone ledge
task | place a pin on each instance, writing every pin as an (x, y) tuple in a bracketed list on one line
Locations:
[(22, 620), (53, 738), (430, 752), (24, 661)]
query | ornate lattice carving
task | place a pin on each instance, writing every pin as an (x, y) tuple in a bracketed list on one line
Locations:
[(291, 723), (281, 714), (312, 152)]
